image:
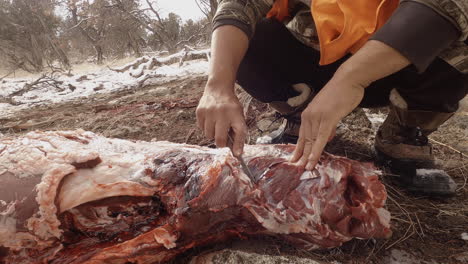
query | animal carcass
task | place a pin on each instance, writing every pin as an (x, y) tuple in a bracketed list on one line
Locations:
[(77, 197)]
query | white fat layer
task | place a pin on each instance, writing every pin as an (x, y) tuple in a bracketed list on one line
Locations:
[(334, 174), (51, 154), (278, 224), (384, 217), (280, 205), (309, 175), (264, 140), (278, 221), (46, 224), (103, 181), (162, 236), (264, 150), (306, 202), (7, 224), (10, 238)]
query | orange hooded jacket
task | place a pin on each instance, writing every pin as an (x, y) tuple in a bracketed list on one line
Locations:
[(343, 26)]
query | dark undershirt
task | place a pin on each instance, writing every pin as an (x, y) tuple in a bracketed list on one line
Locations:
[(426, 33)]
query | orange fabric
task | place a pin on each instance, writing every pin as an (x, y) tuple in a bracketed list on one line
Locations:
[(279, 10), (343, 26)]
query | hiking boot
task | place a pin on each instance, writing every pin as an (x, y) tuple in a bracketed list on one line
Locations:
[(288, 133), (402, 145)]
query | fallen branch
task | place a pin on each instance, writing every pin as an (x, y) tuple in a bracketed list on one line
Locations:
[(141, 83), (133, 65), (450, 147), (28, 125), (8, 74), (187, 55), (19, 65), (147, 63), (47, 78)]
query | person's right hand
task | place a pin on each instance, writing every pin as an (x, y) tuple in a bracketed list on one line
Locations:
[(219, 112)]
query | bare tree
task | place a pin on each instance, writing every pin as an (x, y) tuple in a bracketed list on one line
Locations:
[(33, 36), (28, 34), (208, 8), (90, 21), (141, 16), (168, 32)]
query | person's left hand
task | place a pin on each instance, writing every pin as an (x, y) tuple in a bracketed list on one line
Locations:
[(319, 120), (374, 61)]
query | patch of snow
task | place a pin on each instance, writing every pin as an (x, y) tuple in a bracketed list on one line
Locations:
[(101, 81), (162, 91), (464, 236), (462, 257), (189, 67), (376, 119), (264, 140), (428, 172), (397, 256)]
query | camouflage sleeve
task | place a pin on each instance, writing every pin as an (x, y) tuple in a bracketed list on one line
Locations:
[(455, 11), (241, 13)]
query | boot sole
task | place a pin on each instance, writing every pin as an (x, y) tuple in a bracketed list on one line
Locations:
[(402, 167)]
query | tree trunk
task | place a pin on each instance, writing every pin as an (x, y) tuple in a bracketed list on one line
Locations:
[(94, 42), (99, 53), (62, 57), (134, 45), (36, 55)]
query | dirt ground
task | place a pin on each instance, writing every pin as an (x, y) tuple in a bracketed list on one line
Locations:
[(428, 228)]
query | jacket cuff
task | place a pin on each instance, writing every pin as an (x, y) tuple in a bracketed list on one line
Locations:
[(418, 33), (233, 22)]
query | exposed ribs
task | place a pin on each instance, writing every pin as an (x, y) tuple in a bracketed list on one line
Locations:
[(92, 199)]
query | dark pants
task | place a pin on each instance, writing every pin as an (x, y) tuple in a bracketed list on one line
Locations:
[(276, 60)]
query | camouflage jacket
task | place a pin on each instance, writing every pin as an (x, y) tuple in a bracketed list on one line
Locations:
[(302, 26)]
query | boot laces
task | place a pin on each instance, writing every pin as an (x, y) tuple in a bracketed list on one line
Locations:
[(415, 136)]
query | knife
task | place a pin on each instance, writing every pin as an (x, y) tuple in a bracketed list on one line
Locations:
[(244, 166)]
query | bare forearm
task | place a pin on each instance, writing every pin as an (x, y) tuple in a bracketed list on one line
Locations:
[(228, 47), (374, 61)]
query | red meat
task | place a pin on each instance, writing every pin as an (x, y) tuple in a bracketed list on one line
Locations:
[(76, 197)]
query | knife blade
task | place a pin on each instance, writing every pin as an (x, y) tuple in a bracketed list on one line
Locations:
[(244, 166)]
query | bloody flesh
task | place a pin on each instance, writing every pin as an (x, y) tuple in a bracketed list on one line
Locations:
[(77, 197)]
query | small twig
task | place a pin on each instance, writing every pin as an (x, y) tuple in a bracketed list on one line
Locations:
[(394, 190), (400, 220), (8, 74), (450, 147), (458, 168), (190, 134), (419, 223), (411, 225), (464, 183)]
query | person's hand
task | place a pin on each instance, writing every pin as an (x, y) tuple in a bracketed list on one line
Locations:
[(374, 61), (219, 112), (320, 118)]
